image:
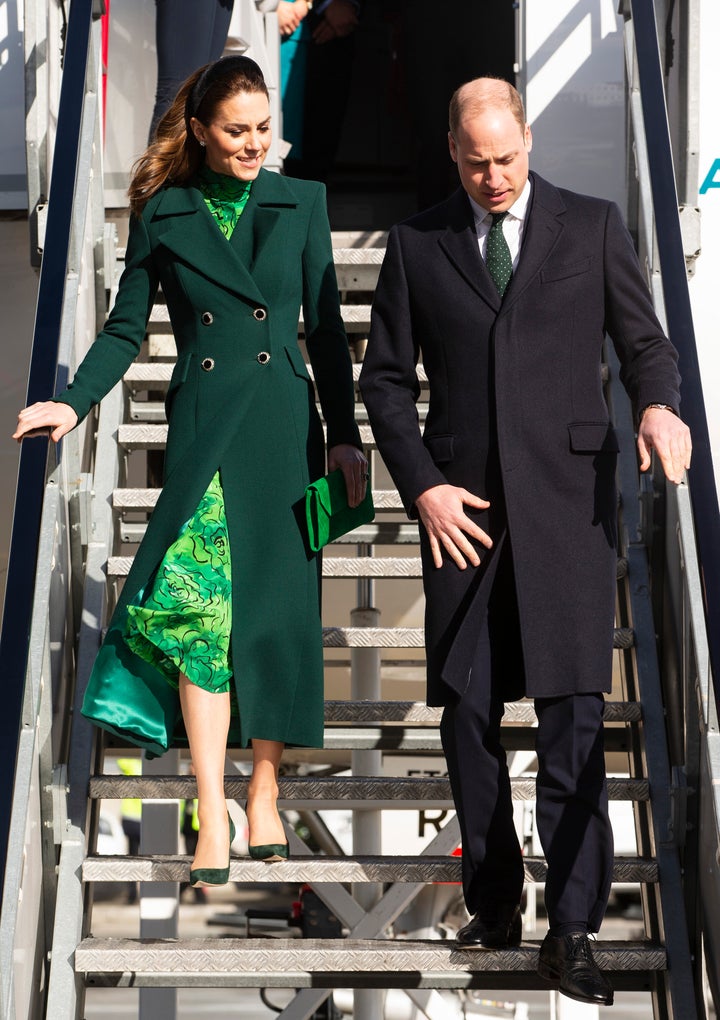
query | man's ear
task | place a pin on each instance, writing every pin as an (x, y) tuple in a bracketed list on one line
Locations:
[(453, 147), (528, 138)]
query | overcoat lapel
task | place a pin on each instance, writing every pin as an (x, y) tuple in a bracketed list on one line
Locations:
[(187, 229), (543, 231), (269, 196), (459, 242)]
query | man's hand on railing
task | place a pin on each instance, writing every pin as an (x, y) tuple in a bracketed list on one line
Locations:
[(45, 418), (662, 431)]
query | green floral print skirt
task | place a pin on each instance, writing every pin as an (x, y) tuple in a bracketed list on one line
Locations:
[(183, 624)]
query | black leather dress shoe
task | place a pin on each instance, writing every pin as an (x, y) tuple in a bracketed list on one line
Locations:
[(492, 929), (567, 961)]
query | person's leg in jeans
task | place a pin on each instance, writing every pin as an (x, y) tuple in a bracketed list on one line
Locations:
[(188, 34)]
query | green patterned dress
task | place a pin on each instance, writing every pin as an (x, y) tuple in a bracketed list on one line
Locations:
[(183, 623)]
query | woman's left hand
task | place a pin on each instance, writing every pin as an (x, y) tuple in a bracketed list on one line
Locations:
[(354, 466)]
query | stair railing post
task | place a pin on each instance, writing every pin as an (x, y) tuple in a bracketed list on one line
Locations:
[(367, 825), (159, 834)]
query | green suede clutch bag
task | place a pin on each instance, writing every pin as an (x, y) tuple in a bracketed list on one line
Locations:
[(327, 512)]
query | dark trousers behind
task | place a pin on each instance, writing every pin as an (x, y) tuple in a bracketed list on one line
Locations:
[(188, 34), (572, 807)]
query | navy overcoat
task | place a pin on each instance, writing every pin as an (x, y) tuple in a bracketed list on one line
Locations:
[(240, 401), (516, 415)]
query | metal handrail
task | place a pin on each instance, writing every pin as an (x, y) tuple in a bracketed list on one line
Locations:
[(32, 471), (686, 552), (40, 522), (677, 310)]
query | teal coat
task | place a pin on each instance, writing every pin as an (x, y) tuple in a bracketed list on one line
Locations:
[(240, 400)]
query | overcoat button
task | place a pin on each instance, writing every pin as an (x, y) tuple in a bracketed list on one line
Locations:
[(263, 357), (260, 314), (206, 318), (207, 364)]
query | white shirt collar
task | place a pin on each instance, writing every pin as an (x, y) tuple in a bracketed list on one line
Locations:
[(518, 210)]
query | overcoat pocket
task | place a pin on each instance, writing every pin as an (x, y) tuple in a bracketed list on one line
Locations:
[(440, 448), (593, 437), (563, 272), (298, 362), (178, 377)]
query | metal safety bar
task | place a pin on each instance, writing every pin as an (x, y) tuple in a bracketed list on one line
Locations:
[(682, 530), (47, 532), (665, 256)]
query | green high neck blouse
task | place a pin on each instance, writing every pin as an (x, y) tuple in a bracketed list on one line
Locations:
[(225, 197)]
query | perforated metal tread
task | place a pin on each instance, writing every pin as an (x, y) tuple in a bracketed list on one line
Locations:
[(166, 868), (356, 319), (156, 374), (302, 963), (417, 713), (153, 436), (364, 566), (386, 792), (145, 499)]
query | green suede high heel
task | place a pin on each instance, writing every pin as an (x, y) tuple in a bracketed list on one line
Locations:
[(269, 852), (206, 877)]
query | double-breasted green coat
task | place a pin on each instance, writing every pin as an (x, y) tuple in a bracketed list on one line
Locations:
[(240, 401)]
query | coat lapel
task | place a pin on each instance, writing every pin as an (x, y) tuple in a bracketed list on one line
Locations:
[(270, 194), (460, 244), (185, 227), (542, 232)]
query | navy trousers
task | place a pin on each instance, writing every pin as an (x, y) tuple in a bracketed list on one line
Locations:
[(188, 34), (572, 806)]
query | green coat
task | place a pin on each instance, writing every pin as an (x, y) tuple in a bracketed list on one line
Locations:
[(240, 400)]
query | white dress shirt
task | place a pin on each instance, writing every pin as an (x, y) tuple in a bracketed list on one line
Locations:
[(513, 224)]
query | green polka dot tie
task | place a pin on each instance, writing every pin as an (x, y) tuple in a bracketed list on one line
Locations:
[(497, 254)]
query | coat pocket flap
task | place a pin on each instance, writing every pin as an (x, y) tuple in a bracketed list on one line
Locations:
[(297, 362), (440, 448), (565, 271), (593, 437)]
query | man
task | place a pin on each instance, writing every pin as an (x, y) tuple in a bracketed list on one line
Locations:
[(508, 289)]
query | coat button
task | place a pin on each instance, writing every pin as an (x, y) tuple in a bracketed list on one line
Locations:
[(206, 318), (263, 357), (260, 314), (207, 364)]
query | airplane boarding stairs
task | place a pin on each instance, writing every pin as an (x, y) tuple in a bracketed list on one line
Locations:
[(368, 956), (662, 716)]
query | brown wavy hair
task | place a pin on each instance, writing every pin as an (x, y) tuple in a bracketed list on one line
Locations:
[(175, 155)]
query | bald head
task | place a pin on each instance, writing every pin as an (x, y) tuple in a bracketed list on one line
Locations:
[(482, 95)]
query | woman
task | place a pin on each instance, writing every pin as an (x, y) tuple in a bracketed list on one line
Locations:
[(217, 633)]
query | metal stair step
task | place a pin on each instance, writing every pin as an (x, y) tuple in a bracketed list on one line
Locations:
[(154, 411), (378, 533), (145, 499), (356, 319), (348, 792), (153, 436), (167, 868), (346, 566), (304, 963), (417, 713), (156, 374), (413, 637)]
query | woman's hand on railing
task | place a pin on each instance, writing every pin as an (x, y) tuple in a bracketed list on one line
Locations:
[(45, 418)]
